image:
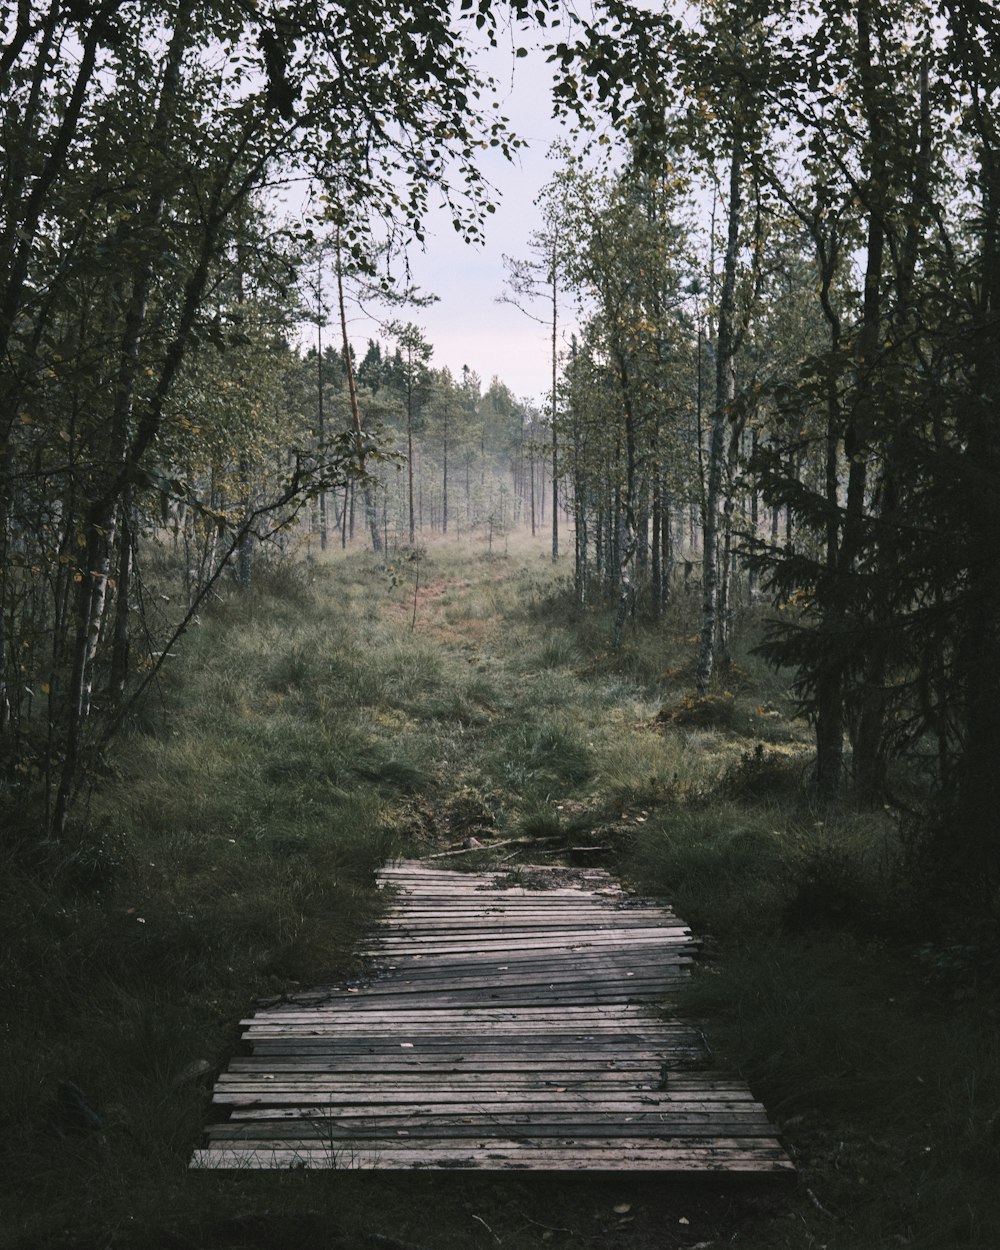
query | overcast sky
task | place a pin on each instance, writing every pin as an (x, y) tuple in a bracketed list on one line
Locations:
[(467, 326)]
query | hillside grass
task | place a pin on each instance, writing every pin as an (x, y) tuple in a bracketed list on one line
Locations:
[(357, 708)]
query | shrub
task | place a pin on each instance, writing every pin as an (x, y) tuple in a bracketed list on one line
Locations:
[(708, 710), (760, 774)]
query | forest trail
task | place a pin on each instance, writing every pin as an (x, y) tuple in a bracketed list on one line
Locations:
[(512, 1020)]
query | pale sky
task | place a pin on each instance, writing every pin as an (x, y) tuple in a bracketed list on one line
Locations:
[(466, 326)]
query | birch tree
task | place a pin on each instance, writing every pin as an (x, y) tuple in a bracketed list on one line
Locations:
[(535, 279)]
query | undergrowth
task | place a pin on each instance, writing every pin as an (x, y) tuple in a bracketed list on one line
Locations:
[(341, 713)]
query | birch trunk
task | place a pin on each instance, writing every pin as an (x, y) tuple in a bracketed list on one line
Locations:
[(868, 752), (371, 515), (725, 391), (555, 428), (628, 529)]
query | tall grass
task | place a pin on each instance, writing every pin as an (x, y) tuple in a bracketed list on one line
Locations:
[(229, 854), (307, 731)]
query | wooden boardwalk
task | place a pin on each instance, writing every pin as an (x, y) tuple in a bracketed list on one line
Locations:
[(514, 1020)]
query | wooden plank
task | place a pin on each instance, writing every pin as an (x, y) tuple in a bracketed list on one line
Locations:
[(338, 1037), (619, 965), (475, 1082), (623, 1017), (559, 981), (553, 1068), (390, 1052), (657, 1047), (615, 1011), (612, 1157), (459, 1024), (445, 889), (321, 1078), (501, 881), (741, 1144), (666, 1118), (623, 963), (527, 938), (503, 922), (349, 998), (247, 1105), (505, 918), (499, 900), (530, 930), (600, 979), (424, 1129), (429, 1031), (494, 940), (678, 1084), (598, 1152), (485, 1021), (606, 993), (350, 1023), (426, 906), (637, 992), (430, 906), (529, 962)]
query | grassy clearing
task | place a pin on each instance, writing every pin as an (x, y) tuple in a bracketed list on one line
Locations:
[(309, 730)]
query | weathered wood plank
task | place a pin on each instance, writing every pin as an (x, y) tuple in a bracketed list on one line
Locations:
[(655, 1049), (578, 1021), (321, 1077), (531, 983), (613, 1157), (474, 1084), (499, 996), (534, 1127), (533, 944), (249, 1105), (356, 1024), (615, 1011)]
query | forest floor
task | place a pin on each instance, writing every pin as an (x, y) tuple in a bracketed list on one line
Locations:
[(353, 708)]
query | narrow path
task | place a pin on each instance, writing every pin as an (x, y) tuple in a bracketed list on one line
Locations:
[(517, 1020)]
